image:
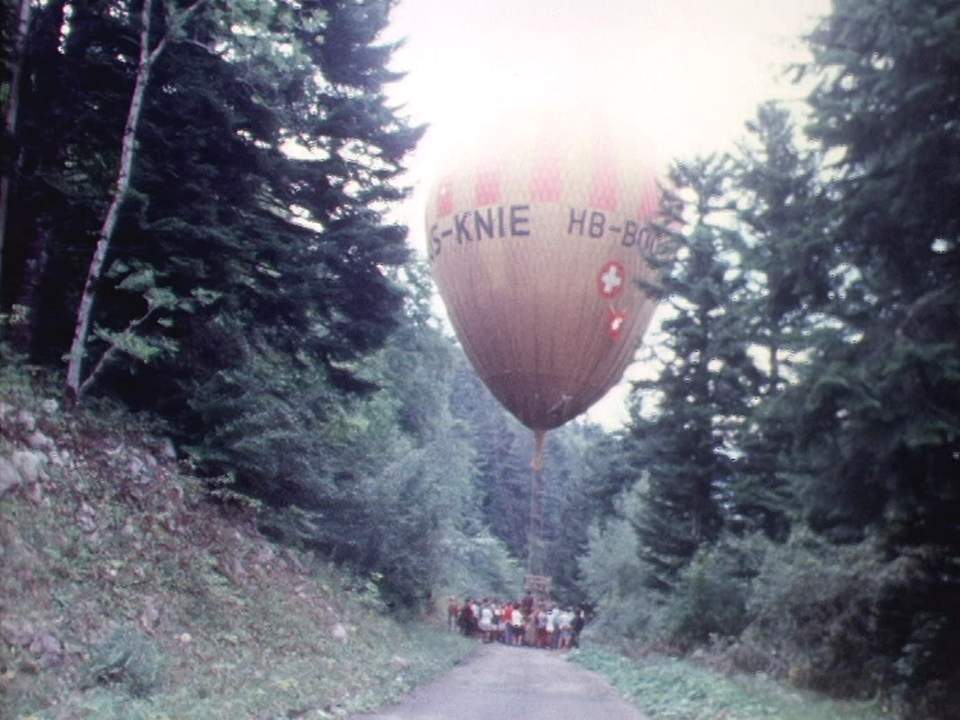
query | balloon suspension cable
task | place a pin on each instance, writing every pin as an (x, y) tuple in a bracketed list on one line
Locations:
[(535, 531), (540, 441)]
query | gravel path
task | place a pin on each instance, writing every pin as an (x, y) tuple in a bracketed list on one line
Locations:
[(501, 683)]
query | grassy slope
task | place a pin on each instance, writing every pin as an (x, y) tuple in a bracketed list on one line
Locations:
[(125, 593)]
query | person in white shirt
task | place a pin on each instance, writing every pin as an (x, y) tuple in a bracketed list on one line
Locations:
[(486, 622)]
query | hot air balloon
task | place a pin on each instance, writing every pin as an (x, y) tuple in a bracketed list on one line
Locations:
[(539, 233)]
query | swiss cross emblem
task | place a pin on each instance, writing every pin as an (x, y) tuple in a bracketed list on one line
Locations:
[(611, 279), (616, 320)]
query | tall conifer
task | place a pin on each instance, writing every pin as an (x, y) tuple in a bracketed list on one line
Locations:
[(700, 387), (877, 416)]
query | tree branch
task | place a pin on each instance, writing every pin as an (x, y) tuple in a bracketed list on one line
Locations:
[(111, 351)]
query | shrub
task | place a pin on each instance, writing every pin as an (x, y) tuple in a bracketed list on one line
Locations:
[(816, 609), (127, 658), (711, 597), (613, 580)]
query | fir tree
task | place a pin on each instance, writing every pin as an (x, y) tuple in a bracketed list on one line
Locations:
[(701, 388), (877, 414), (882, 415), (223, 223), (786, 257)]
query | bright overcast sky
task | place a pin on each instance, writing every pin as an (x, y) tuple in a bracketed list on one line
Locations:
[(690, 72)]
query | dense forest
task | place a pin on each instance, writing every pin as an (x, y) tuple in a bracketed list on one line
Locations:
[(194, 222)]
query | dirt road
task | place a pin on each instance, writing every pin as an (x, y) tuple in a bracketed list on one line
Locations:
[(500, 683)]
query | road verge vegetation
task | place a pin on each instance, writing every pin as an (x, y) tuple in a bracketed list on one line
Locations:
[(665, 687)]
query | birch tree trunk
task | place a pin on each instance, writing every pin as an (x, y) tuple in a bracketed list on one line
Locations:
[(10, 118), (147, 58)]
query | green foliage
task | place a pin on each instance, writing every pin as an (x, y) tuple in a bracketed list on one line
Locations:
[(385, 484), (160, 303), (786, 256), (712, 596), (15, 377), (613, 575), (259, 422), (708, 603), (504, 449), (883, 401), (479, 566), (127, 658), (571, 505), (830, 616), (665, 687), (876, 417)]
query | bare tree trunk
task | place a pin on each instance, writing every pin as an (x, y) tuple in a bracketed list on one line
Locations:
[(128, 150), (10, 118)]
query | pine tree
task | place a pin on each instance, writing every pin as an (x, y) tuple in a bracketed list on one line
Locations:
[(702, 387), (504, 450), (300, 252), (883, 406), (224, 224), (573, 505), (786, 258), (876, 414)]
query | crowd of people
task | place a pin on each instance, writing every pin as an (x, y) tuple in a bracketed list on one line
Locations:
[(527, 623)]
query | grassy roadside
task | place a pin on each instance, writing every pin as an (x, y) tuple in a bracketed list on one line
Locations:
[(125, 593), (668, 688)]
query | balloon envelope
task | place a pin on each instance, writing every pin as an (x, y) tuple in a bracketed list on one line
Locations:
[(537, 237)]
